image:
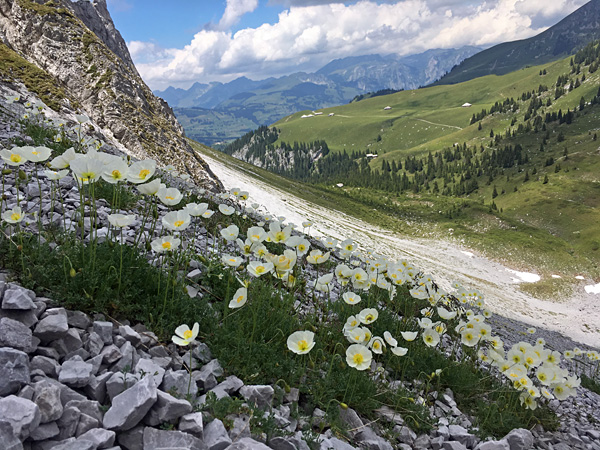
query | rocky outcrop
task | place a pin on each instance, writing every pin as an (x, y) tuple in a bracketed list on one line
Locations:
[(78, 46)]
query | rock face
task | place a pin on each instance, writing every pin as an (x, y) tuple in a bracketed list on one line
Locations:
[(77, 45)]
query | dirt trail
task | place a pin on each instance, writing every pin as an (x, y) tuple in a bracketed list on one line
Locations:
[(577, 317)]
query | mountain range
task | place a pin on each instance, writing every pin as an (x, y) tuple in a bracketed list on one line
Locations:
[(216, 112)]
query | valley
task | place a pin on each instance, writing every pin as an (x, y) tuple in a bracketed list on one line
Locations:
[(575, 314)]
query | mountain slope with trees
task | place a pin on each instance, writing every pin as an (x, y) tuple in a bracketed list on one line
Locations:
[(527, 161)]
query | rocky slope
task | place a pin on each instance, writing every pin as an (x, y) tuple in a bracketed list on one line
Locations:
[(77, 46), (71, 382)]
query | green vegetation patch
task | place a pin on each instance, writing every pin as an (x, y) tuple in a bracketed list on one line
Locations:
[(13, 67)]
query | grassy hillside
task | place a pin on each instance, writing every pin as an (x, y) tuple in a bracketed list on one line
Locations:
[(427, 119)]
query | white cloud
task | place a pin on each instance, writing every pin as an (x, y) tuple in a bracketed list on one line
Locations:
[(307, 37), (234, 10)]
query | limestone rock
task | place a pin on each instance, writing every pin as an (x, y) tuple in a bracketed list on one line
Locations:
[(14, 370), (23, 415), (261, 396), (216, 436), (519, 439), (130, 407), (158, 439), (16, 335)]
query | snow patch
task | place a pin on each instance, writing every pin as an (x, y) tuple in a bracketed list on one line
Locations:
[(469, 254), (579, 277), (556, 276), (525, 277), (593, 289)]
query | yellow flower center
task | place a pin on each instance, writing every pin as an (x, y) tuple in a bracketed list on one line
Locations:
[(280, 236), (358, 359), (34, 153), (256, 236), (370, 318), (15, 158), (302, 345), (116, 174), (144, 173), (239, 299), (376, 345), (187, 334), (542, 376), (168, 197), (15, 216), (301, 247), (260, 269), (429, 338), (166, 245), (178, 223)]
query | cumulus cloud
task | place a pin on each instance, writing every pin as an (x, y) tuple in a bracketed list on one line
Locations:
[(307, 37), (234, 10)]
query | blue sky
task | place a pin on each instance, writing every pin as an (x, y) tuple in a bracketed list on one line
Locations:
[(179, 42)]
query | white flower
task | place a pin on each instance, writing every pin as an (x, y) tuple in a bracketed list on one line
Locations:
[(239, 298), (14, 157), (390, 339), (358, 356), (36, 154), (230, 233), (368, 315), (409, 335), (399, 351), (376, 345), (176, 220), (317, 257), (121, 220), (53, 175), (351, 298), (150, 188), (258, 268), (256, 234), (301, 342), (276, 234), (87, 169), (63, 161), (195, 209), (165, 244), (115, 171), (431, 338), (141, 171), (445, 314), (184, 335), (225, 209), (14, 215), (230, 260), (82, 118), (168, 196)]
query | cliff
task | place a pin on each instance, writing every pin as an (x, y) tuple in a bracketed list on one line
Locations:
[(78, 46)]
